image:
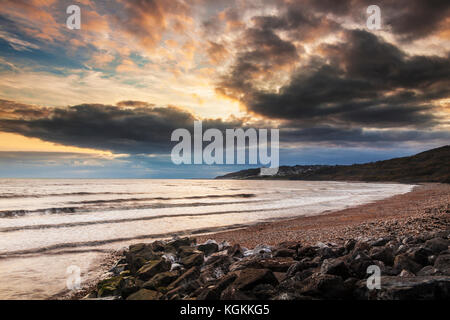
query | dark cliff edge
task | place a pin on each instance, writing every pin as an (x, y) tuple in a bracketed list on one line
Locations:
[(429, 166)]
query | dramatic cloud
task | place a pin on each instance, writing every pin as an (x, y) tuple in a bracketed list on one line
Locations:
[(131, 127), (362, 81), (311, 68)]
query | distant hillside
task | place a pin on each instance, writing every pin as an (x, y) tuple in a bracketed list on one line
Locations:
[(429, 166)]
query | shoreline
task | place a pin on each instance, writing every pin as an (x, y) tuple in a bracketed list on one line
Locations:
[(338, 226), (399, 215)]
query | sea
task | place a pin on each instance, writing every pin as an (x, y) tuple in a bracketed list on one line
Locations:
[(49, 226)]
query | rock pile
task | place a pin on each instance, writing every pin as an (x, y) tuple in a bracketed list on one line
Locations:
[(411, 268)]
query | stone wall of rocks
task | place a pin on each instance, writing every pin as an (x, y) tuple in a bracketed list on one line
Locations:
[(411, 268)]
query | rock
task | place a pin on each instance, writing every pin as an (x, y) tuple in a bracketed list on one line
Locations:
[(361, 246), (349, 245), (335, 267), (284, 252), (429, 271), (412, 288), (128, 286), (209, 247), (306, 252), (263, 291), (260, 251), (189, 276), (406, 273), (214, 292), (327, 253), (184, 289), (158, 246), (274, 264), (325, 286), (218, 259), (109, 287), (404, 262), (195, 259), (443, 264), (291, 245), (216, 269), (300, 266), (145, 294), (358, 264), (235, 251), (436, 245), (250, 278), (173, 245), (420, 255), (153, 267), (232, 293), (385, 254), (140, 254), (162, 279), (380, 242), (184, 251), (304, 274)]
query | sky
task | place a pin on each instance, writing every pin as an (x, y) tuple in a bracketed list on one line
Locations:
[(102, 101)]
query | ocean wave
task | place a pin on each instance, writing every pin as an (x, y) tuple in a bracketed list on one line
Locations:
[(109, 221), (89, 209), (55, 249), (213, 196), (66, 194)]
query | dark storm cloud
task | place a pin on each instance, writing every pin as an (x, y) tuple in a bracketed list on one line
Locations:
[(362, 81), (414, 19), (338, 136), (406, 19), (120, 129), (265, 52)]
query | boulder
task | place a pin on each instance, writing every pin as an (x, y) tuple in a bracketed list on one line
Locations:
[(274, 264), (380, 242), (358, 264), (162, 279), (429, 271), (436, 245), (420, 254), (250, 278), (128, 286), (214, 292), (235, 251), (335, 267), (145, 294), (153, 267), (109, 287), (195, 259), (306, 252), (140, 254), (404, 262), (300, 266), (263, 291), (291, 245), (173, 245), (216, 269), (406, 273), (158, 246), (208, 248), (284, 252), (443, 264), (407, 288), (324, 286), (349, 245), (189, 276), (185, 251), (385, 254)]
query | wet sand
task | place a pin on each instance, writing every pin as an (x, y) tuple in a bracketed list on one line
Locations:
[(426, 208)]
